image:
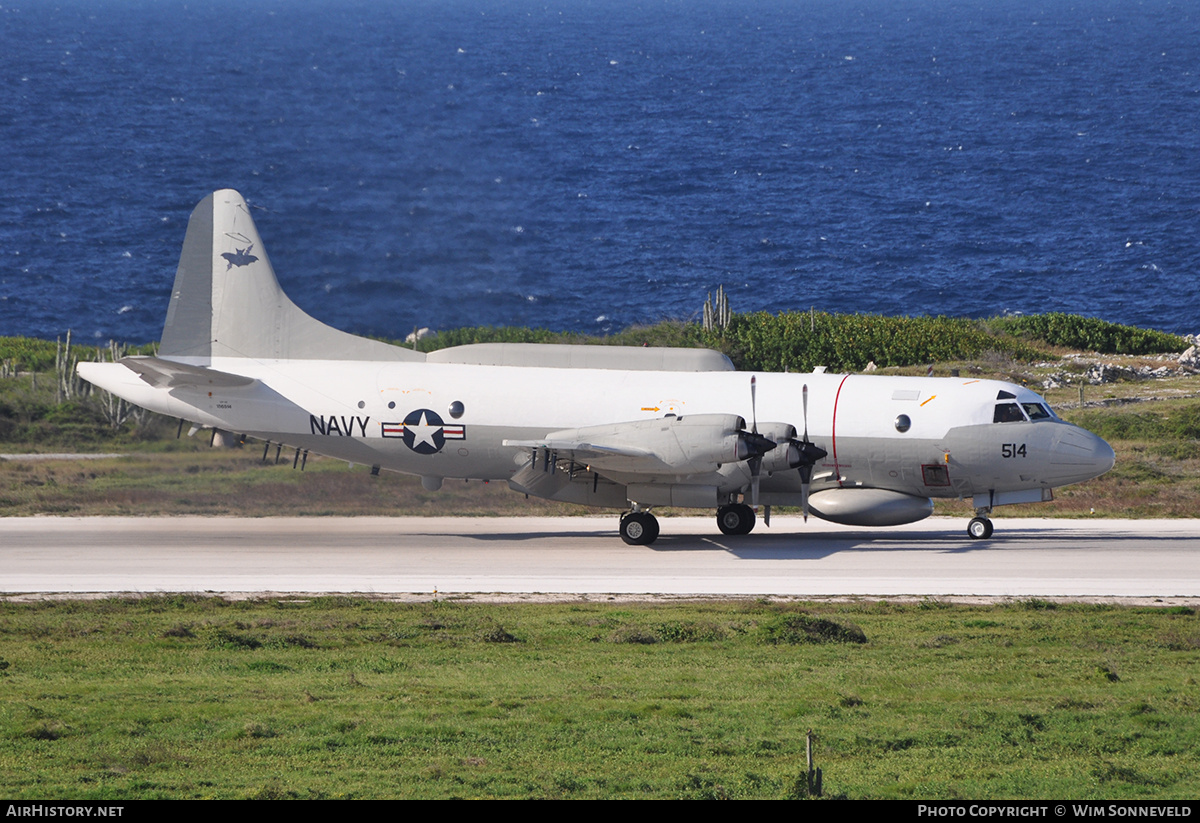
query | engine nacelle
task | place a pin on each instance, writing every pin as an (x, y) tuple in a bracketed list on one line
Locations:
[(786, 454), (869, 507), (679, 446), (709, 440)]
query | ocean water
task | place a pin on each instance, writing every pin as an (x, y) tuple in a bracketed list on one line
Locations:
[(591, 165)]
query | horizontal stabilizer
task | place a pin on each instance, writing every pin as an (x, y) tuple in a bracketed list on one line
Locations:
[(167, 374)]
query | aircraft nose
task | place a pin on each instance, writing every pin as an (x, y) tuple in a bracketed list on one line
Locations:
[(1079, 455)]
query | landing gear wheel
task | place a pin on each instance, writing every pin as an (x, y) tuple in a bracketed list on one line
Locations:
[(737, 518), (639, 528), (980, 528)]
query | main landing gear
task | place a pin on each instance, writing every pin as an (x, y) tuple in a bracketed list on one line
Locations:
[(639, 528), (980, 528), (736, 518)]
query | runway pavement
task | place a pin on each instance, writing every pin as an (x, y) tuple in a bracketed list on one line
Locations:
[(584, 555)]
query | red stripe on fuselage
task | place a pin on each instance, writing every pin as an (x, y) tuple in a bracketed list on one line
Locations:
[(833, 433)]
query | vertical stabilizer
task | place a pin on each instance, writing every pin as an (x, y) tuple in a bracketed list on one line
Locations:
[(226, 301)]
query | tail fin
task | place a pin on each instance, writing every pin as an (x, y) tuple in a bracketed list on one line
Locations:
[(226, 301)]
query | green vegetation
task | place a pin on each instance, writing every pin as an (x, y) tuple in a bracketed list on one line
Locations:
[(26, 354), (848, 342), (793, 341), (800, 341), (200, 697), (1166, 421), (1088, 334), (796, 341)]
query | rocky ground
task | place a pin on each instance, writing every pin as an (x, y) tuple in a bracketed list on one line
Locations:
[(1097, 370)]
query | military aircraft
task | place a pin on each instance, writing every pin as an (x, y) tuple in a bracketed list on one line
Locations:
[(609, 426)]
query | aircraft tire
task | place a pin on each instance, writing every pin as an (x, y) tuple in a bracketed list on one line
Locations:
[(639, 528), (980, 528), (737, 518)]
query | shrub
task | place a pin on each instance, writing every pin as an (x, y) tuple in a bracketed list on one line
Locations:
[(795, 629), (1089, 333)]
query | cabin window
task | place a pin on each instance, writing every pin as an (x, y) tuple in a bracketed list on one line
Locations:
[(1008, 413), (903, 423)]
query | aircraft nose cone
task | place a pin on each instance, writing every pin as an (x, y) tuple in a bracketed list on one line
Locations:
[(1079, 455)]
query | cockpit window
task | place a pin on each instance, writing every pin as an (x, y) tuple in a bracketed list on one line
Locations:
[(1036, 411), (1008, 413)]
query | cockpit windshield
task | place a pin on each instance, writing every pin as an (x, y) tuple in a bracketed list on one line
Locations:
[(1008, 413), (1011, 411)]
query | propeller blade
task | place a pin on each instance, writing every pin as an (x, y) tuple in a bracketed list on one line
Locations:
[(810, 453), (804, 398), (753, 404), (755, 444), (753, 447), (805, 479)]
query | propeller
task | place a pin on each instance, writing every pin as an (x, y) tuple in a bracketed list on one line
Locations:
[(810, 453), (803, 454), (756, 445)]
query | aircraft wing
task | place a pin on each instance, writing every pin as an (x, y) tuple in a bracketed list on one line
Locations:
[(582, 451), (692, 444), (167, 374)]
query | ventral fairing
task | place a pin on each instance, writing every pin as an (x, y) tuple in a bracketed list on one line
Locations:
[(609, 426)]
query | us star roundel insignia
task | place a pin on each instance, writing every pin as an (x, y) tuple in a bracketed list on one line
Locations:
[(424, 431)]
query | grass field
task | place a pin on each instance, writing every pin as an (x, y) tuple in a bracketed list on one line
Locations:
[(199, 697)]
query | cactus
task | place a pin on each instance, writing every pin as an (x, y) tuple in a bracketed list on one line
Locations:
[(717, 314)]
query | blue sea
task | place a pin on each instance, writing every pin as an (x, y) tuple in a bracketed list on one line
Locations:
[(589, 165)]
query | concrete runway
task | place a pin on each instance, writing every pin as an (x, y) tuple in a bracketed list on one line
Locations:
[(584, 555)]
